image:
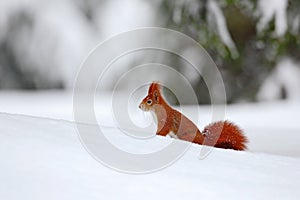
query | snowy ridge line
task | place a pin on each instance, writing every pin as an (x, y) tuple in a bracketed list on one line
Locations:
[(54, 119), (293, 130), (65, 121), (35, 117), (263, 128)]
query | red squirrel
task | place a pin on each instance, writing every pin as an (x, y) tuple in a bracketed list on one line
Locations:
[(222, 134)]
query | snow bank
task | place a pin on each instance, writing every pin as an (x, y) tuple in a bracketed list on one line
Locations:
[(272, 127), (44, 159)]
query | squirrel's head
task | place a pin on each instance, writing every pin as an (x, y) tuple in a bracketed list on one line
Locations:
[(153, 98)]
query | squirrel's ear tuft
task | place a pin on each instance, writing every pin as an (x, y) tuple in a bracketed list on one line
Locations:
[(154, 86)]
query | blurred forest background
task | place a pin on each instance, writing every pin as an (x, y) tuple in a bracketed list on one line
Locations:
[(255, 43)]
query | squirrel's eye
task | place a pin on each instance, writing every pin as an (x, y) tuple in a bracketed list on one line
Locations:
[(149, 101)]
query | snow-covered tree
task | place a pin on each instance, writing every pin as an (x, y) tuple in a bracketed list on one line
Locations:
[(245, 38)]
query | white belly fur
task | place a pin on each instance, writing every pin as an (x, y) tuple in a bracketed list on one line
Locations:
[(173, 135)]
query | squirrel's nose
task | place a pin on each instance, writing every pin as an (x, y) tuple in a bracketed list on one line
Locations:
[(141, 106)]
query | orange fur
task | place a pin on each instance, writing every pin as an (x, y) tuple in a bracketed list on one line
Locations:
[(221, 134)]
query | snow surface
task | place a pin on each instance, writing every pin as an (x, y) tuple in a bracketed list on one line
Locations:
[(42, 157), (278, 120)]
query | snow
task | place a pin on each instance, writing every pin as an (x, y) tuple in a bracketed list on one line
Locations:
[(131, 14), (259, 121), (53, 41), (50, 39), (44, 159), (276, 9), (286, 75)]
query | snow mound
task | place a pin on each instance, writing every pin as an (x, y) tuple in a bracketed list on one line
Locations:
[(44, 159)]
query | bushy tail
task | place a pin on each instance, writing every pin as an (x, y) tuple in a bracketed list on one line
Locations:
[(226, 135)]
